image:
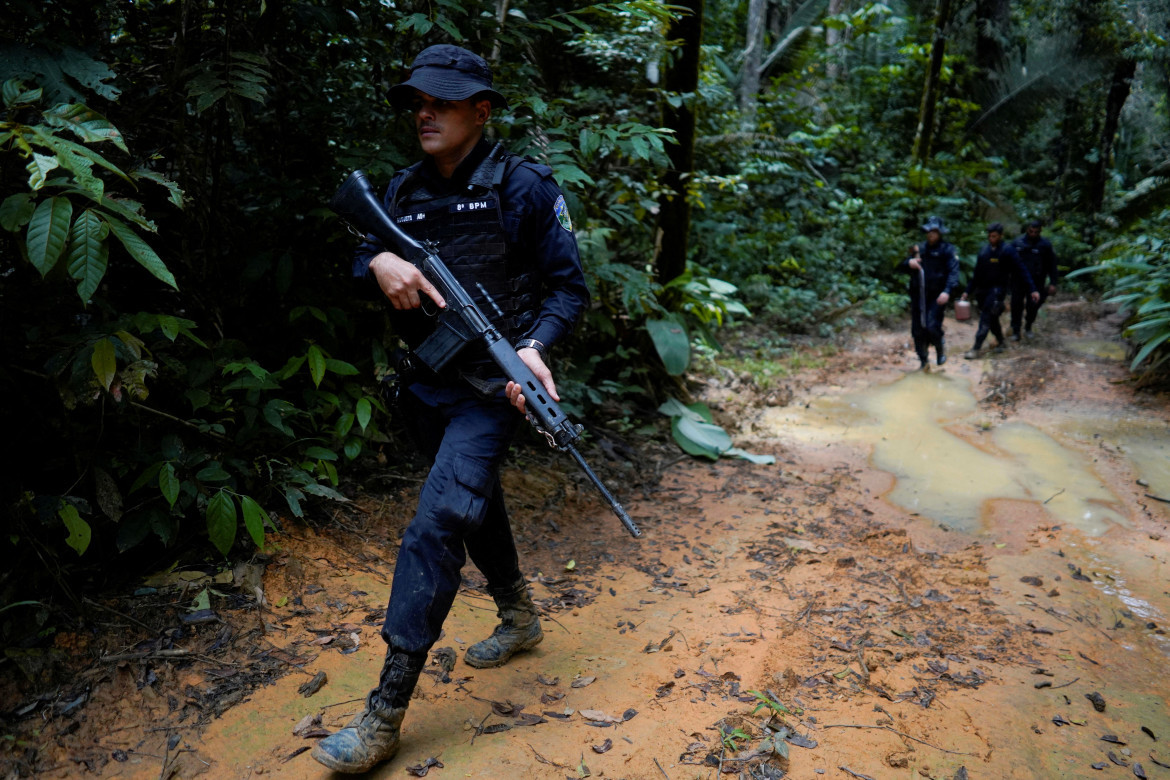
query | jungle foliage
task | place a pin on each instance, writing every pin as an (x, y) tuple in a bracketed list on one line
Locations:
[(185, 354)]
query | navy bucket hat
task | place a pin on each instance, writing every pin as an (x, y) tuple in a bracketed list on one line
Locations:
[(449, 73), (933, 223)]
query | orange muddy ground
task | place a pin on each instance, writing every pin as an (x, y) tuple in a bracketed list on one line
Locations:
[(900, 648)]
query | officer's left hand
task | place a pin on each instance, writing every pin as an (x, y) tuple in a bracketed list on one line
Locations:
[(943, 298), (531, 359), (1035, 297)]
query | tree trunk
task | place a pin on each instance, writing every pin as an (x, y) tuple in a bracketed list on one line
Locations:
[(1119, 85), (833, 38), (753, 52), (682, 78), (924, 137), (501, 17)]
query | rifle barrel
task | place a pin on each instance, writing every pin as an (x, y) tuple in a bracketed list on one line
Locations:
[(613, 502)]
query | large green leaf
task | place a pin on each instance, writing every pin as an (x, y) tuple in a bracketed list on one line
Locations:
[(672, 343), (168, 483), (340, 367), (78, 158), (364, 410), (759, 460), (325, 492), (1149, 347), (701, 439), (48, 232), (221, 521), (79, 530), (175, 191), (86, 124), (254, 518), (15, 94), (88, 253), (139, 250), (275, 412), (316, 364), (38, 169), (104, 362), (16, 211), (673, 407)]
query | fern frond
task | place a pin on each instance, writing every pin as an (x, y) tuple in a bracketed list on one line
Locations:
[(1149, 196), (1053, 69), (794, 31)]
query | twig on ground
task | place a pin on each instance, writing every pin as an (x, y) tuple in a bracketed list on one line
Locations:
[(899, 733), (176, 652), (854, 774), (93, 603)]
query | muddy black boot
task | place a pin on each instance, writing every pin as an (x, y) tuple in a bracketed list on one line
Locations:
[(519, 629), (373, 735), (923, 349), (940, 351)]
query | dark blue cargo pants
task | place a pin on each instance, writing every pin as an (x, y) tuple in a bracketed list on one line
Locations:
[(460, 510)]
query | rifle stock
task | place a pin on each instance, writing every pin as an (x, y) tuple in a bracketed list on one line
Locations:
[(463, 322)]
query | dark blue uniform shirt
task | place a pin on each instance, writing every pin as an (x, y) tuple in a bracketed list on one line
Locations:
[(536, 226), (940, 265), (995, 268), (1039, 258)]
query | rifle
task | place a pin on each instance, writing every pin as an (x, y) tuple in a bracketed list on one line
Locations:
[(462, 322)]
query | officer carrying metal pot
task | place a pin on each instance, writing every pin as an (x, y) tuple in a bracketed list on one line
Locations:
[(995, 268)]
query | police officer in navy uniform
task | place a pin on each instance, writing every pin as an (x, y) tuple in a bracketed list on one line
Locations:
[(1038, 256), (934, 275), (501, 226), (995, 268)]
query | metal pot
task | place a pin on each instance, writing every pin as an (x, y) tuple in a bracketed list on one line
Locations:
[(962, 310)]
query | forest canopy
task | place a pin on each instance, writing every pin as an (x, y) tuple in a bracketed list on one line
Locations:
[(185, 351)]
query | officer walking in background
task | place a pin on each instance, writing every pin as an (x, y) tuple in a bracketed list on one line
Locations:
[(1039, 258), (501, 225), (995, 268), (934, 275)]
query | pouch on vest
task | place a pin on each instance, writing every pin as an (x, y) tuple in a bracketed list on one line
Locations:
[(445, 343)]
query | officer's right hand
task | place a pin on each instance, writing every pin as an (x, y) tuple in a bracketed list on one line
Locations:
[(915, 263), (401, 282)]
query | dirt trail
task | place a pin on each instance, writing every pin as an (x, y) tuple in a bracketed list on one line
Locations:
[(892, 645)]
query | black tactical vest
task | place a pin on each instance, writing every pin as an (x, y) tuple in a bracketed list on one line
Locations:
[(467, 230)]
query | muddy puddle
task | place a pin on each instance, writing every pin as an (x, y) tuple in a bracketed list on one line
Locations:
[(950, 459), (1107, 349), (1144, 442)]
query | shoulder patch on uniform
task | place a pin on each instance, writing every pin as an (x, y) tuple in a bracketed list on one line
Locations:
[(562, 212)]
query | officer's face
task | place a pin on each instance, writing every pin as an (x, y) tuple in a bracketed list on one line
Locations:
[(932, 237), (994, 238), (1033, 232), (448, 128)]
